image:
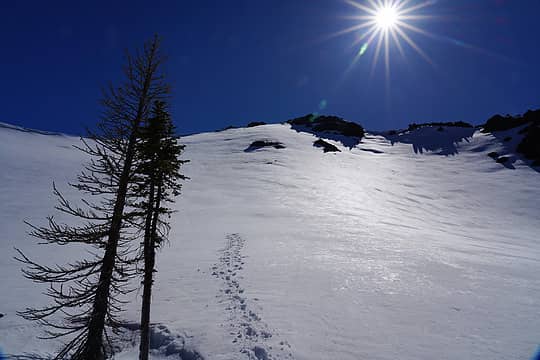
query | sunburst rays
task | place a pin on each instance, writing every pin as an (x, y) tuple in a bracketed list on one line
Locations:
[(383, 24)]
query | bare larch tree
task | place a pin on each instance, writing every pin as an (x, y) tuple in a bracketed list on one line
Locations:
[(87, 292)]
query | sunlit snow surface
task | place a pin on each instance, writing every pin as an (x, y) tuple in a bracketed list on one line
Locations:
[(379, 252)]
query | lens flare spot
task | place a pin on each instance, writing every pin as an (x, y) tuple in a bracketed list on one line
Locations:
[(363, 49)]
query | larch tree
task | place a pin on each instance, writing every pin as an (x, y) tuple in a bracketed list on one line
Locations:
[(86, 294)]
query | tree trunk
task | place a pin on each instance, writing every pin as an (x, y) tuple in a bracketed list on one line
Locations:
[(94, 347), (149, 261), (155, 219), (149, 264)]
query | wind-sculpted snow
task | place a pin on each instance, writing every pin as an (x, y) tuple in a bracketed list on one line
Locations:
[(375, 252)]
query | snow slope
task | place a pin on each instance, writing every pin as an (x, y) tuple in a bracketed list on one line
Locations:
[(403, 247)]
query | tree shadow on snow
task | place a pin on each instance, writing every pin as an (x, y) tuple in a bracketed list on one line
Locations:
[(438, 140)]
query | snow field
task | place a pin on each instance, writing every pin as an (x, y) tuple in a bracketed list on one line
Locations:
[(379, 252)]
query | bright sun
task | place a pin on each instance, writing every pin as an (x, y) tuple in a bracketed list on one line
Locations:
[(386, 17), (382, 23)]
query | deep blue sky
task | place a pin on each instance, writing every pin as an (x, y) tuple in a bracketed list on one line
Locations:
[(232, 62)]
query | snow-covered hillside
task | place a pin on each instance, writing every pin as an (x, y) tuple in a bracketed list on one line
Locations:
[(409, 246)]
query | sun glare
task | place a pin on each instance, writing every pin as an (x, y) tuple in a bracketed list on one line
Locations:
[(386, 17), (384, 25)]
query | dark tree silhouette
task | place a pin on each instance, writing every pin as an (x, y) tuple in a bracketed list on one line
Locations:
[(87, 292), (160, 164)]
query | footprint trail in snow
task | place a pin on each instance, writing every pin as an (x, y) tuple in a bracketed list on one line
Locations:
[(252, 335)]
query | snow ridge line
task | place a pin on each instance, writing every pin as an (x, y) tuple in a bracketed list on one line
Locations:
[(251, 333)]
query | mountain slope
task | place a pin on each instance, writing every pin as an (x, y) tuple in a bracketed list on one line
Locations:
[(378, 252)]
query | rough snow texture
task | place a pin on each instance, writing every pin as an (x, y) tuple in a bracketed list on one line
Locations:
[(420, 249)]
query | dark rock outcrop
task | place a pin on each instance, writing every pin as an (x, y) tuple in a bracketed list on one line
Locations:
[(331, 127), (256, 123), (440, 125), (502, 123), (494, 155), (229, 127), (259, 144), (530, 143), (503, 159), (326, 146), (329, 123)]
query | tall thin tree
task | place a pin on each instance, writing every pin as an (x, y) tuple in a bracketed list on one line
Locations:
[(129, 105), (160, 164), (90, 303)]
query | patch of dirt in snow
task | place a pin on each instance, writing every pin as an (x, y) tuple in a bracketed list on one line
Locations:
[(252, 335)]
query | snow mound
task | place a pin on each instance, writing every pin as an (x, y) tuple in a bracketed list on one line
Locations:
[(164, 344)]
